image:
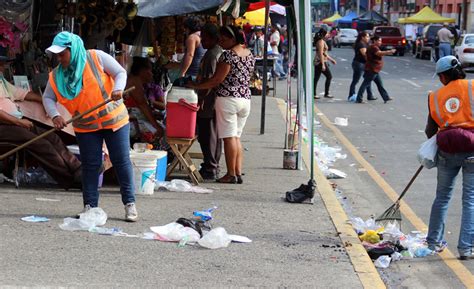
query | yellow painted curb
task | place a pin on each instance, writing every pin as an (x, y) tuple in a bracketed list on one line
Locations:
[(463, 274), (363, 265)]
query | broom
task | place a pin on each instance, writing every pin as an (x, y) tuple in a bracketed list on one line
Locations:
[(393, 212), (48, 132)]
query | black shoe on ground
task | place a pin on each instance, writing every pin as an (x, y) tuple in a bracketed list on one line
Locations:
[(372, 98), (388, 99), (239, 179), (208, 175), (360, 101), (328, 96)]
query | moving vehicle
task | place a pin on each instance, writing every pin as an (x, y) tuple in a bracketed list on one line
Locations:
[(425, 43), (345, 36), (464, 50), (391, 38)]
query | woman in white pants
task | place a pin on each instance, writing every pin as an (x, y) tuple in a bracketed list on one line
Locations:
[(231, 82)]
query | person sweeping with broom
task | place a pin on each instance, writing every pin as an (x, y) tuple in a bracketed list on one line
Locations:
[(451, 117), (82, 80)]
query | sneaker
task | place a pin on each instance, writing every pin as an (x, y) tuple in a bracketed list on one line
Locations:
[(86, 208), (328, 96), (439, 247), (465, 257), (131, 214)]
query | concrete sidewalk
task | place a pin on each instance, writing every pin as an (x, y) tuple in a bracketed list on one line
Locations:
[(293, 245)]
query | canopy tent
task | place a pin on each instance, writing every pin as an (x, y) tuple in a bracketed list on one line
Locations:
[(333, 18), (160, 8), (371, 16), (426, 15), (255, 18), (346, 19), (258, 5)]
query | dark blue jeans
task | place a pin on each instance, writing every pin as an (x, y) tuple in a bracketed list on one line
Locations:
[(358, 71), (118, 144), (370, 76)]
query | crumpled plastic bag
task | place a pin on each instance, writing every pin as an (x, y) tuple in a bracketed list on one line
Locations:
[(427, 154), (90, 219), (181, 186), (361, 226), (174, 232), (383, 262), (215, 239), (392, 232)]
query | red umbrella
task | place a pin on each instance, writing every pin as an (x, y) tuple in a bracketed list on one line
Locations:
[(258, 5)]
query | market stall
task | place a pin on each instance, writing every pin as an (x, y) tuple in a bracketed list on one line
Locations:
[(426, 16), (330, 20)]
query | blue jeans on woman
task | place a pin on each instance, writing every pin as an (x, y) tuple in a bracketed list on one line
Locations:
[(358, 71), (370, 76), (449, 166), (118, 144)]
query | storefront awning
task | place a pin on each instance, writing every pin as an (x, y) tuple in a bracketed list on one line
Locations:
[(160, 8)]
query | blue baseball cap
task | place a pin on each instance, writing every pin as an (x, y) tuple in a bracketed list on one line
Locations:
[(446, 63)]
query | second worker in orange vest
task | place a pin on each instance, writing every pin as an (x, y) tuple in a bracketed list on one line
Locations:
[(82, 80), (451, 118)]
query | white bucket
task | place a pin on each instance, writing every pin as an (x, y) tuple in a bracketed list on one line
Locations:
[(144, 169)]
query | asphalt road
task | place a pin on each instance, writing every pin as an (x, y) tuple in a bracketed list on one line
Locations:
[(388, 137)]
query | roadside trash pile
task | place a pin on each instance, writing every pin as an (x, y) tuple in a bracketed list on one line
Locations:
[(388, 244), (326, 156)]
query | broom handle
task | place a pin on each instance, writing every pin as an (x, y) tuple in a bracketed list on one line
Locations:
[(410, 183), (48, 132)]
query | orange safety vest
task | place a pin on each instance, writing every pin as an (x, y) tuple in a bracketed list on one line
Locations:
[(96, 88), (453, 105)]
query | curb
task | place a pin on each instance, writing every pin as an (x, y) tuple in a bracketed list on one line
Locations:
[(363, 265)]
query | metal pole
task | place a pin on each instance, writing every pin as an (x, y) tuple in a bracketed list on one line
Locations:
[(358, 7), (265, 78)]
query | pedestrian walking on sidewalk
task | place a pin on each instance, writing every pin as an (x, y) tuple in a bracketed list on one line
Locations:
[(82, 80), (321, 65), (373, 66), (232, 82), (358, 64), (451, 118), (211, 144)]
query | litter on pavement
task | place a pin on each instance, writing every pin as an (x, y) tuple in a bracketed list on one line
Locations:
[(90, 219), (195, 231), (35, 219), (386, 244), (340, 121), (177, 185)]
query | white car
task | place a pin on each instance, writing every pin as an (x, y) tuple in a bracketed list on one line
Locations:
[(345, 36), (464, 50)]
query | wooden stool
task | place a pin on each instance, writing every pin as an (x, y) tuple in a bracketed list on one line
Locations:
[(180, 148)]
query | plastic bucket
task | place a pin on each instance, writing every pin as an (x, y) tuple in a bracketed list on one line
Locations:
[(161, 163), (144, 170), (75, 150), (290, 159)]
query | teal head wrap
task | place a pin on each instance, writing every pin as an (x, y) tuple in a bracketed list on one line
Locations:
[(69, 79)]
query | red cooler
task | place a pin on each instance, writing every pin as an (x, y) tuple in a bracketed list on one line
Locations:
[(181, 110)]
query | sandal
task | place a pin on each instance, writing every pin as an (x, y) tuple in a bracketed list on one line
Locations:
[(227, 179)]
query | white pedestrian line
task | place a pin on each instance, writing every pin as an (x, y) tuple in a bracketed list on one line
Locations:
[(384, 72), (411, 82), (342, 59)]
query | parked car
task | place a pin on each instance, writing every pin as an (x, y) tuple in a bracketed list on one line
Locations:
[(391, 38), (425, 43), (464, 50), (345, 36)]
